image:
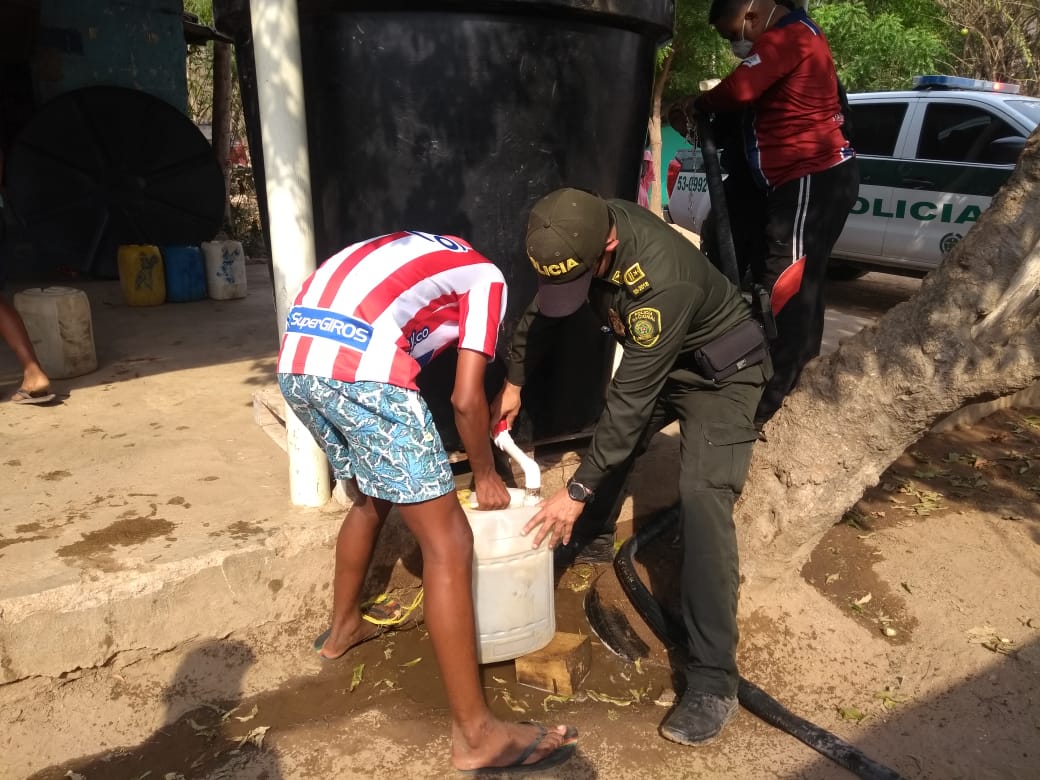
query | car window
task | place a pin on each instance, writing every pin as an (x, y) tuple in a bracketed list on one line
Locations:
[(961, 133), (876, 127), (1031, 108)]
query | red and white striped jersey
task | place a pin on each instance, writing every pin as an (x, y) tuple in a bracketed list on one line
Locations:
[(381, 309)]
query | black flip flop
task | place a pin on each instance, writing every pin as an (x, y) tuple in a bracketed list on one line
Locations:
[(559, 756)]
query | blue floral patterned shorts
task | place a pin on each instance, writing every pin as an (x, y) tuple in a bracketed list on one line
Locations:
[(381, 435)]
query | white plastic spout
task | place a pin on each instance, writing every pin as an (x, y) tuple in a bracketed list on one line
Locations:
[(532, 474)]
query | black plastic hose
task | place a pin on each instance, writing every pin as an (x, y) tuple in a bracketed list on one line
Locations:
[(751, 697), (717, 195)]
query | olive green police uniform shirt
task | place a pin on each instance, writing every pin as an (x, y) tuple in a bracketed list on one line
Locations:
[(663, 300)]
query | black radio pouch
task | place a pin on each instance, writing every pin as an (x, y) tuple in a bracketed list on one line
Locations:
[(734, 350)]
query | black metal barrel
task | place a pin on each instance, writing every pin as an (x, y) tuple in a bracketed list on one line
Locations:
[(454, 117)]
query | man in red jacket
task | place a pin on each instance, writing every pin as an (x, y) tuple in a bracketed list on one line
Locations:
[(800, 159)]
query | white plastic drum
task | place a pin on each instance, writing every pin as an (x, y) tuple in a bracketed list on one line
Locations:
[(513, 586), (60, 328)]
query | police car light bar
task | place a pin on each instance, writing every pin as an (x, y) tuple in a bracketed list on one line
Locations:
[(959, 82)]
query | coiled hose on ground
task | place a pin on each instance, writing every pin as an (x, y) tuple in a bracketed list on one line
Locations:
[(751, 697)]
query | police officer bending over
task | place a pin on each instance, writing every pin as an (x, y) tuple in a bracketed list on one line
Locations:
[(692, 353)]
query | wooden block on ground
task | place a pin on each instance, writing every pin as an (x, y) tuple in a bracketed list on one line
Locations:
[(559, 667)]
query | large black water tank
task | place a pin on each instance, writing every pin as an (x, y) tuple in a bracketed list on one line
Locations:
[(454, 118)]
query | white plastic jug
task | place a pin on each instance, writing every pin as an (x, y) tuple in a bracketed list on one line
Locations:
[(513, 587), (60, 328), (225, 269)]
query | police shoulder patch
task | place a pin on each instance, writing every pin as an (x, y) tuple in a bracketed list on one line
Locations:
[(635, 280), (645, 326)]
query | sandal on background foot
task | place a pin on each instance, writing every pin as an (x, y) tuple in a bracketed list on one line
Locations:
[(23, 396)]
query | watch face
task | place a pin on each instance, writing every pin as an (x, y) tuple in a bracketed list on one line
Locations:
[(576, 491)]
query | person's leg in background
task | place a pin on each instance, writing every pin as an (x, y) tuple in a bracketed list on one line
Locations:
[(35, 383), (35, 386), (805, 219)]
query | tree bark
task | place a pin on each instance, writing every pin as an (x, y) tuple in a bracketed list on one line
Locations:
[(221, 127), (654, 129), (970, 334)]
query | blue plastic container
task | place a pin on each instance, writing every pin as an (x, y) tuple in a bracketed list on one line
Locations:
[(185, 273)]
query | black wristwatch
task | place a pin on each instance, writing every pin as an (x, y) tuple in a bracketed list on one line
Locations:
[(579, 492)]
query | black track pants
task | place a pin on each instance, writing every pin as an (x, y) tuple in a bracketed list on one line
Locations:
[(803, 219)]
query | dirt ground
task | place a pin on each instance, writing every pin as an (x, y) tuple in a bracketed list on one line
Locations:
[(913, 632)]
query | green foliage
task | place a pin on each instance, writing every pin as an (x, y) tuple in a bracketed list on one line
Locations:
[(699, 52), (203, 9), (877, 44), (880, 50)]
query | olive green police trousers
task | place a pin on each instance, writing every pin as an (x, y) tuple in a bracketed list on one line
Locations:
[(717, 433)]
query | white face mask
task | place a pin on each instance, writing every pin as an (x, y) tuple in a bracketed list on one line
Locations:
[(742, 48)]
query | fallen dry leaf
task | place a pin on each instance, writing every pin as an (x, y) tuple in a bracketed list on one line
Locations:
[(359, 673), (553, 698), (581, 577), (889, 699), (930, 473), (851, 713), (254, 737), (603, 698), (514, 704), (988, 637), (249, 716)]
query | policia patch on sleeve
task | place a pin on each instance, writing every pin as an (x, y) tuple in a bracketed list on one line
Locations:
[(635, 280), (645, 326)]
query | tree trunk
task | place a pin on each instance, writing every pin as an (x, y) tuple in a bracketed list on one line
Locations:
[(221, 127), (972, 333), (654, 127)]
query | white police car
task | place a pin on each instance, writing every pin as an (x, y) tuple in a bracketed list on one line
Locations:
[(930, 160)]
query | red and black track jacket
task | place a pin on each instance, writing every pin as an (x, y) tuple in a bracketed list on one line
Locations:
[(789, 90)]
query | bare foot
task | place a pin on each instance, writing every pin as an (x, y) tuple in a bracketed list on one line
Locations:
[(499, 744), (340, 639), (35, 381)]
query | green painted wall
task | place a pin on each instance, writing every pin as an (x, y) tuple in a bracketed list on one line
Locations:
[(671, 141)]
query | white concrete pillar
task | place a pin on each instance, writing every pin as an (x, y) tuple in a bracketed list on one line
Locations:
[(283, 131)]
